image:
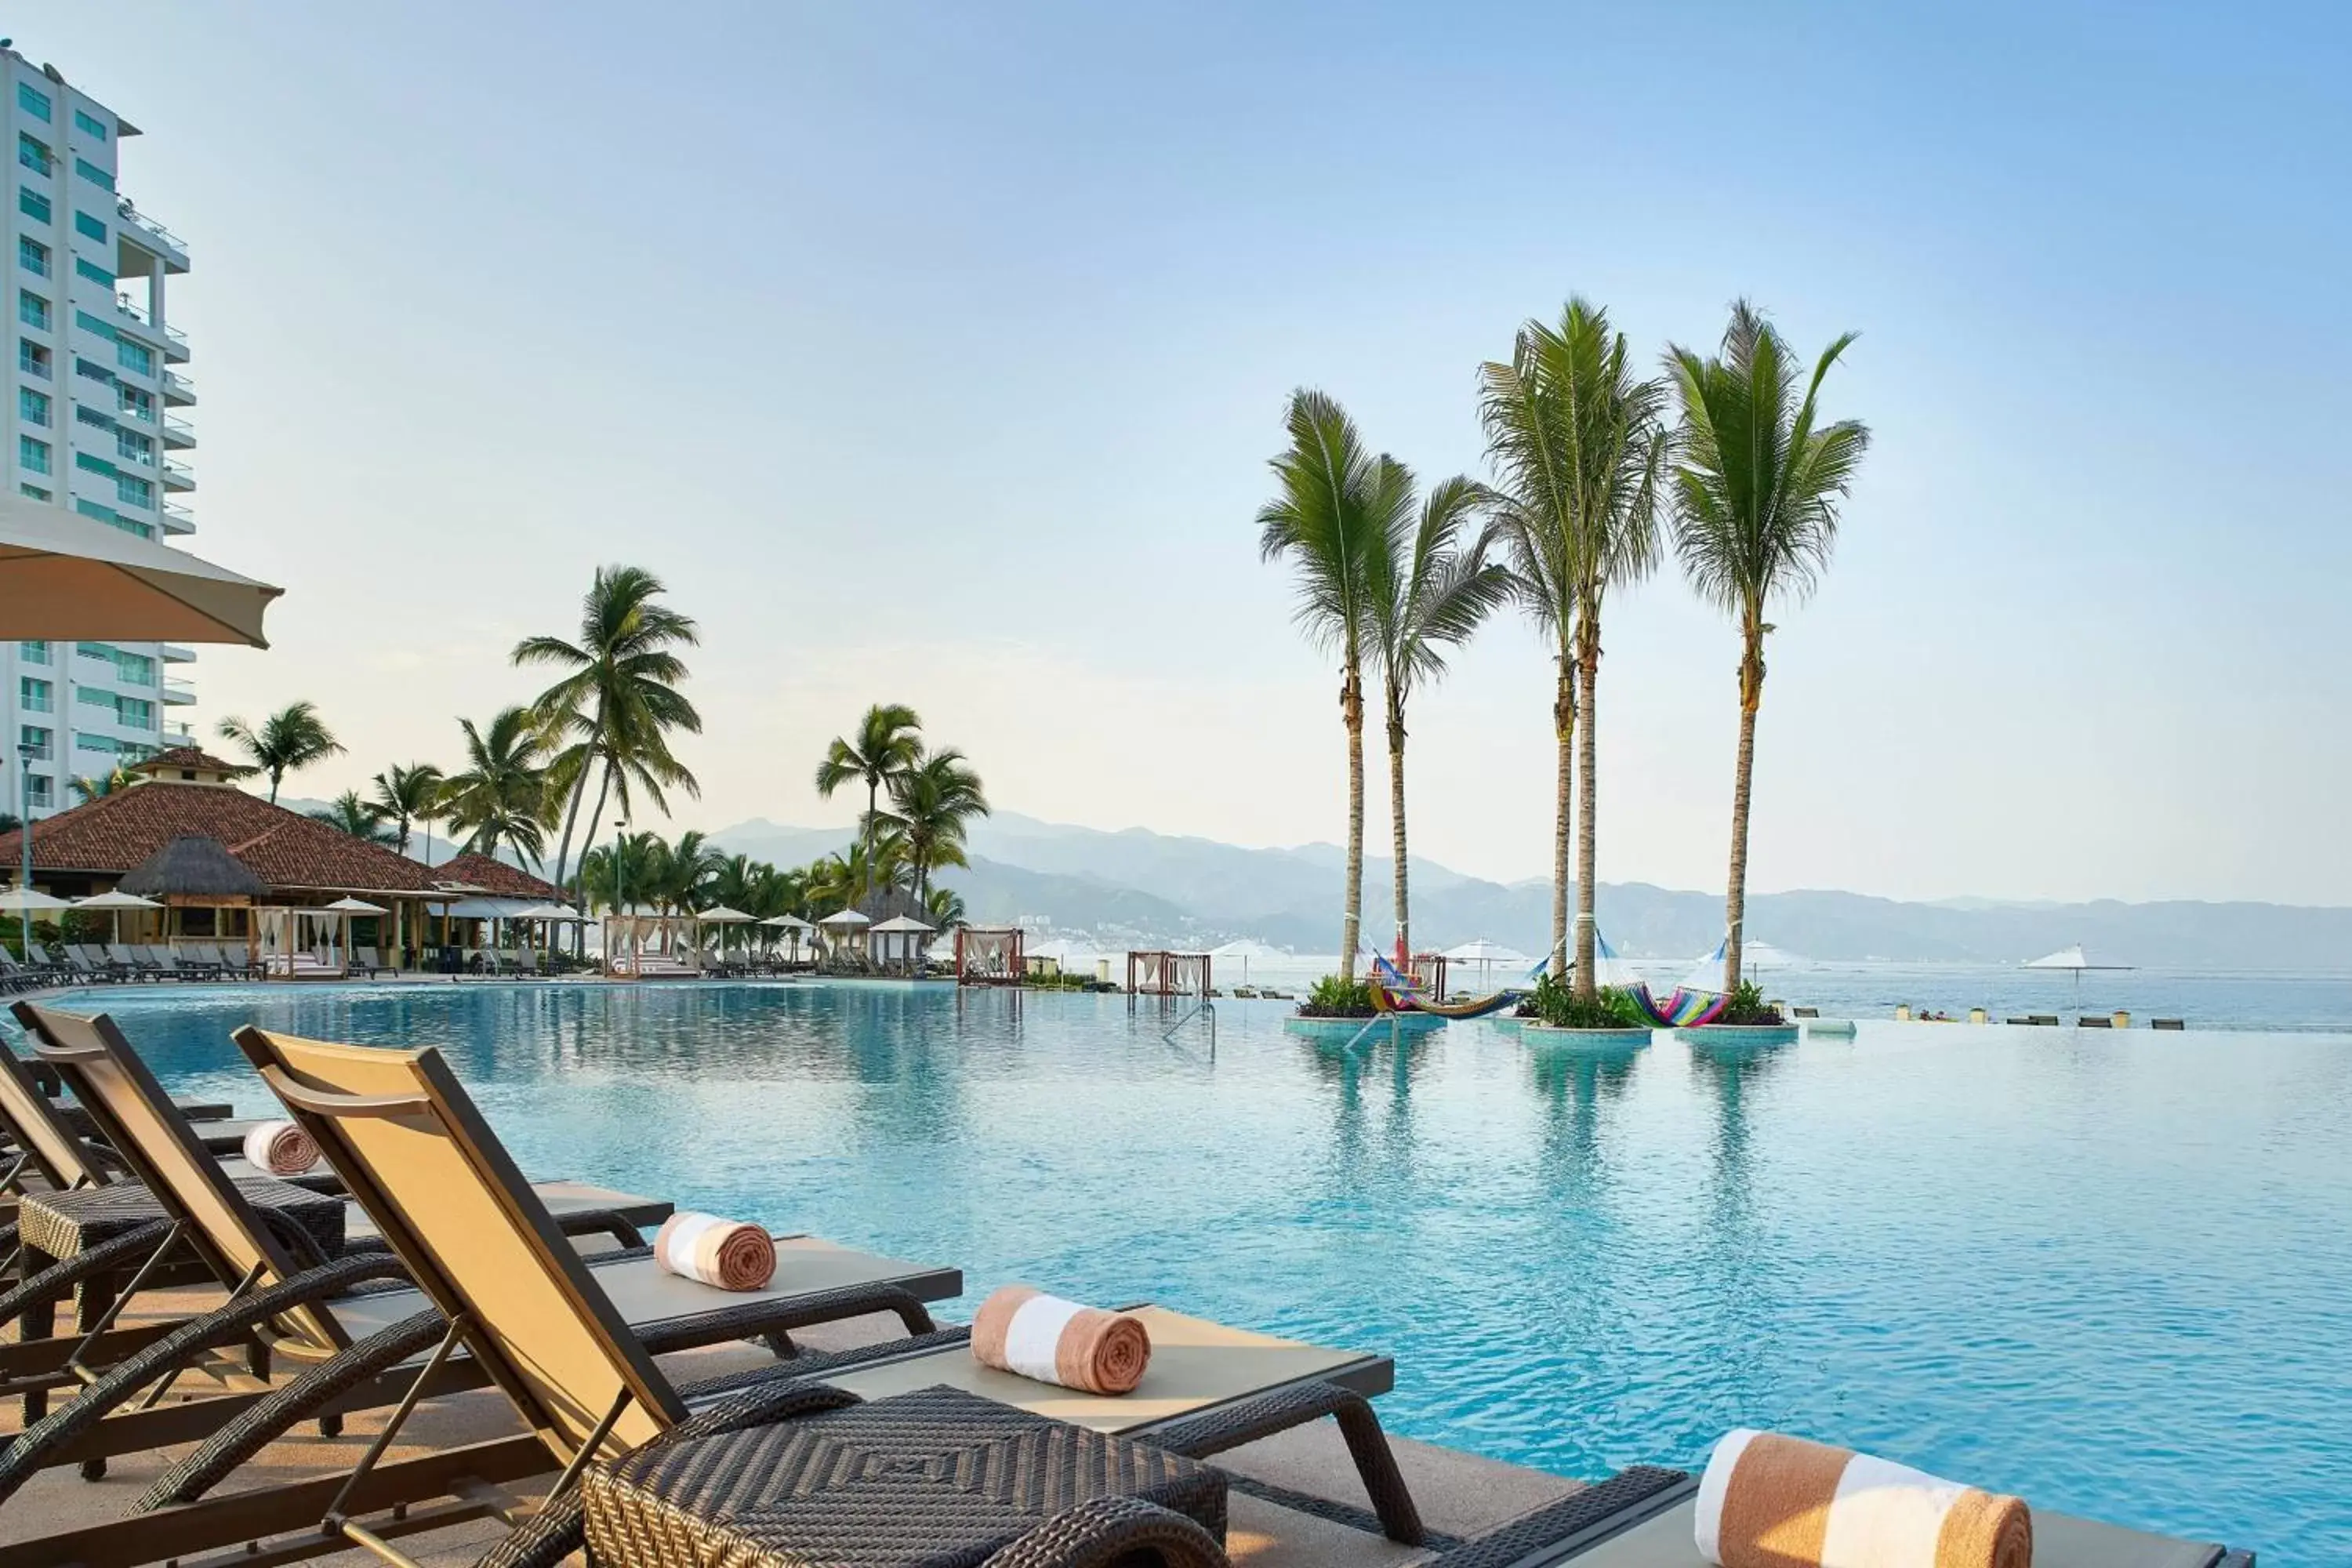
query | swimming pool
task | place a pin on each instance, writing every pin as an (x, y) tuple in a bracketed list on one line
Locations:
[(2110, 1271)]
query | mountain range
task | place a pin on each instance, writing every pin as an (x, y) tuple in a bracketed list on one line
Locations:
[(1138, 885)]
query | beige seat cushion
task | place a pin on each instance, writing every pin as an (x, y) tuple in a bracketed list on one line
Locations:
[(2059, 1542)]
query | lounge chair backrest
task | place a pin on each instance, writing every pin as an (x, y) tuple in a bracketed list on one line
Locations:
[(37, 1129), (415, 1151), (140, 1123)]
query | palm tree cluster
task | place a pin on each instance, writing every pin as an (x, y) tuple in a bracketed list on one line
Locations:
[(932, 799), (1587, 474)]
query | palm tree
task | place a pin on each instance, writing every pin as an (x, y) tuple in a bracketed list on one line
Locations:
[(407, 795), (97, 788), (501, 797), (1579, 445), (349, 813), (1427, 593), (620, 700), (612, 875), (1334, 502), (945, 905), (1756, 494), (287, 741), (887, 746), (683, 871), (844, 881), (929, 806)]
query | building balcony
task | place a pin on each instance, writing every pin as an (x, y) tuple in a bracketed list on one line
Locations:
[(148, 235), (178, 519), (177, 653), (177, 476), (179, 435), (178, 693), (178, 390)]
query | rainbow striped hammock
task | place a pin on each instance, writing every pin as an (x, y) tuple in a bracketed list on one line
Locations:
[(1393, 990), (1687, 1008)]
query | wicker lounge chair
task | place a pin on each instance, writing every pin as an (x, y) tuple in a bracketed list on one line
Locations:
[(551, 1329), (289, 1301)]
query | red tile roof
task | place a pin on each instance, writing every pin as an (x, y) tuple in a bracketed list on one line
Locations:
[(185, 757), (116, 833), (496, 878)]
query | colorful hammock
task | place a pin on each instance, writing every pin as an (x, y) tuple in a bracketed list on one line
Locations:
[(1393, 990), (1685, 1009)]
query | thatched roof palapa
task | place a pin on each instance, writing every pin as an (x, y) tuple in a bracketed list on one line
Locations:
[(194, 868)]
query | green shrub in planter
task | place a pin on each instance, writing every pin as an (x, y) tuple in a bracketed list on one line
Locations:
[(1334, 996), (1554, 1002), (1748, 1006)]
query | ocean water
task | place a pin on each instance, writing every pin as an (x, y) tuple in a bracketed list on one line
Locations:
[(2109, 1271)]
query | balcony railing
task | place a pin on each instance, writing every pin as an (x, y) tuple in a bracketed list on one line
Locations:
[(32, 704), (129, 307), (179, 693), (35, 368), (179, 433), (131, 215), (178, 519), (178, 388), (178, 475), (35, 753)]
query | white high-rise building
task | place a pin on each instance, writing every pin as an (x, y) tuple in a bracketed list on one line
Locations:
[(89, 427)]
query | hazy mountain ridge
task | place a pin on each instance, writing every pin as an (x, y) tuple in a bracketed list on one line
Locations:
[(1177, 888)]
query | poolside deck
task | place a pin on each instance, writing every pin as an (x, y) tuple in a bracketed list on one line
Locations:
[(1459, 1494)]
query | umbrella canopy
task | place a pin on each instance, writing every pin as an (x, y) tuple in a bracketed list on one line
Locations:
[(1481, 950), (194, 865), (66, 576), (2070, 958), (1246, 948), (790, 922), (117, 900), (549, 912), (844, 918), (904, 923), (720, 915), (31, 900), (355, 907)]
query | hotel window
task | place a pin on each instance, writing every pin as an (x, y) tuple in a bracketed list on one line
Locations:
[(32, 255), (91, 697), (93, 173), (34, 154), (33, 407), (90, 323), (34, 492), (34, 455), (135, 357), (86, 741), (33, 696), (32, 100), (98, 511), (32, 359), (137, 448), (92, 369), (134, 713), (38, 792), (95, 465), (136, 404), (86, 415), (33, 736), (91, 125), (32, 309), (33, 650), (133, 492), (94, 229), (34, 205), (94, 272)]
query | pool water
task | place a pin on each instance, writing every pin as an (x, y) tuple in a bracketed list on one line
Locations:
[(2109, 1271)]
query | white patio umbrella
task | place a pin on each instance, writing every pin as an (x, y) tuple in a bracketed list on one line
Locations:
[(27, 902), (350, 906), (115, 903), (842, 925), (1243, 949), (1486, 955), (68, 577), (2073, 961)]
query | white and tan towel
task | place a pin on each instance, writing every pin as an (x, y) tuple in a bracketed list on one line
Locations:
[(722, 1252), (1771, 1502), (1020, 1329), (280, 1148)]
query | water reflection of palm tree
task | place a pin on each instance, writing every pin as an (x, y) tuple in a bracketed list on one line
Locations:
[(1573, 1084), (1738, 1259)]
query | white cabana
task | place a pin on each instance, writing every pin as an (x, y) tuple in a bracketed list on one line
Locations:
[(299, 944), (897, 941)]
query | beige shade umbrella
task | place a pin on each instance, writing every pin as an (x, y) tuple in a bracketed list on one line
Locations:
[(115, 903), (68, 577)]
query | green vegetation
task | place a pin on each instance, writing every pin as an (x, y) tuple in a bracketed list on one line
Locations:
[(1756, 494), (287, 742), (406, 796), (502, 799), (353, 816), (1747, 1005), (1556, 1003), (888, 746), (1338, 997)]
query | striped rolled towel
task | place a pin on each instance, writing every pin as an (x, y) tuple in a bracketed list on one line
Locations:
[(1021, 1329), (1771, 1502), (722, 1252), (280, 1148)]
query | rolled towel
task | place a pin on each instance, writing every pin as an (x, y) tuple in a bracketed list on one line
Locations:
[(1771, 1502), (280, 1148), (1021, 1329), (722, 1252)]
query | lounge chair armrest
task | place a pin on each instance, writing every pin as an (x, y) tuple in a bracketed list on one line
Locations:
[(1280, 1409), (58, 1279), (262, 1424), (774, 1320), (1108, 1529), (224, 1325)]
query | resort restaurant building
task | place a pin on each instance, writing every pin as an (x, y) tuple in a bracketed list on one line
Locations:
[(299, 866)]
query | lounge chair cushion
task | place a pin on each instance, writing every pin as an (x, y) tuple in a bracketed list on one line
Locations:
[(2059, 1542), (934, 1476)]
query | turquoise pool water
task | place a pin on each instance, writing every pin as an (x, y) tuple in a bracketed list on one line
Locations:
[(2112, 1272)]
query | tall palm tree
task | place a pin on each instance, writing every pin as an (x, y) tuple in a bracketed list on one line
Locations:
[(1578, 443), (619, 701), (407, 795), (612, 875), (1427, 593), (930, 808), (844, 880), (682, 876), (100, 786), (287, 742), (885, 746), (945, 905), (500, 797), (349, 813), (1756, 488), (1334, 501)]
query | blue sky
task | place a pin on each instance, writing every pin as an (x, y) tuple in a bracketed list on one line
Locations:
[(935, 353)]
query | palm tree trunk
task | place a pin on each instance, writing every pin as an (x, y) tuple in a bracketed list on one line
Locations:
[(602, 787), (275, 775), (1588, 793), (1351, 712), (570, 819), (1396, 823), (1751, 697), (1563, 722)]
